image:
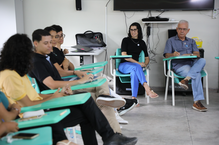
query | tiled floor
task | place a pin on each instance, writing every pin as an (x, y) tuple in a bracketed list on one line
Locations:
[(159, 123)]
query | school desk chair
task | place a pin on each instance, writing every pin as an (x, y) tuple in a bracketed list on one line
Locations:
[(176, 78), (125, 78)]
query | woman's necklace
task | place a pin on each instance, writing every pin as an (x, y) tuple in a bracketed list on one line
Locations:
[(137, 43)]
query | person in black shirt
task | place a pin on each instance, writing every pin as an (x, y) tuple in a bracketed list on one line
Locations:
[(48, 77), (61, 38), (133, 45), (57, 56), (88, 115)]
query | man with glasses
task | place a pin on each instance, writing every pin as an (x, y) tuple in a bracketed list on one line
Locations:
[(188, 68), (62, 62), (61, 38)]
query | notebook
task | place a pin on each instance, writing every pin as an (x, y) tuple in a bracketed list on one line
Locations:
[(82, 48)]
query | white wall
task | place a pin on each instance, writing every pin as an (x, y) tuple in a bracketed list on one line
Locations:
[(42, 13), (11, 16), (19, 16), (8, 20)]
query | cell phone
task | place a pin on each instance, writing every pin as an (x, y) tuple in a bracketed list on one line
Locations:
[(25, 135)]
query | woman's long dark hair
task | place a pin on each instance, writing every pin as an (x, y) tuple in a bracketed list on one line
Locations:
[(140, 35), (17, 54)]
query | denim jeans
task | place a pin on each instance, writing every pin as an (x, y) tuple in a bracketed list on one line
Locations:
[(136, 75), (193, 70)]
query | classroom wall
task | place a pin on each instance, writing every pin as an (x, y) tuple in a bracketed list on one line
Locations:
[(8, 20), (11, 16), (96, 16)]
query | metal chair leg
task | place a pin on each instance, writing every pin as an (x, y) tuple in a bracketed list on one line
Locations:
[(173, 90), (114, 84), (166, 90), (146, 96), (206, 85)]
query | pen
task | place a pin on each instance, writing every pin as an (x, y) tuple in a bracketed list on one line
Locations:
[(63, 112)]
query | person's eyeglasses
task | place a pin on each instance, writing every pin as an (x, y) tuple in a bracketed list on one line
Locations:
[(62, 36), (133, 29), (184, 29), (56, 36)]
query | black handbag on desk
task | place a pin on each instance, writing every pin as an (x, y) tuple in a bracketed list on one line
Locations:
[(90, 39)]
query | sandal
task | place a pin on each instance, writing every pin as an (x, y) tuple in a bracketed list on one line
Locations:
[(153, 94)]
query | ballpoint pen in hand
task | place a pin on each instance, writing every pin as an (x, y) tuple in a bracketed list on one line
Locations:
[(178, 52)]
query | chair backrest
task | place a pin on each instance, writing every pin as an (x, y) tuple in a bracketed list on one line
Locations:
[(34, 84), (118, 52)]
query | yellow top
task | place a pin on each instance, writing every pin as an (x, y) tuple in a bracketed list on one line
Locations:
[(16, 87)]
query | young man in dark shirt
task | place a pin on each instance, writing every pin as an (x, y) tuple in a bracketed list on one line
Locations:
[(48, 77)]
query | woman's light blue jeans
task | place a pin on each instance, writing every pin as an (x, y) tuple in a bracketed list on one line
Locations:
[(193, 70), (136, 75)]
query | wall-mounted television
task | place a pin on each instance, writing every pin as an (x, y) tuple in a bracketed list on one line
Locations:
[(163, 5)]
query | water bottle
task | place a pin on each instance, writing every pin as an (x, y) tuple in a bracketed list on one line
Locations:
[(71, 134)]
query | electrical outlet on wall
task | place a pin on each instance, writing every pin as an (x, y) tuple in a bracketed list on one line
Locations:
[(214, 14)]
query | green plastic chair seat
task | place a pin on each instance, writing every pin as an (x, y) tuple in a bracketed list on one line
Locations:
[(178, 78), (203, 74), (125, 78)]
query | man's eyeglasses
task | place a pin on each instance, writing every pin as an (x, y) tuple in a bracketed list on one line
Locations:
[(56, 36), (62, 36), (133, 29), (184, 29)]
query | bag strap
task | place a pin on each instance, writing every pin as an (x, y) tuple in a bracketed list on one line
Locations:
[(89, 31)]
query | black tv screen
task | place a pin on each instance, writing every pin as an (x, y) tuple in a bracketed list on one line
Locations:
[(162, 5)]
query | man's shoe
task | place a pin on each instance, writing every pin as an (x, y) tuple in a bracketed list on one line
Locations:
[(184, 84), (119, 139), (120, 119), (131, 101), (110, 101), (199, 107), (127, 107)]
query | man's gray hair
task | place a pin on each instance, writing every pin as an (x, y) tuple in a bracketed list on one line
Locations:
[(183, 21)]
